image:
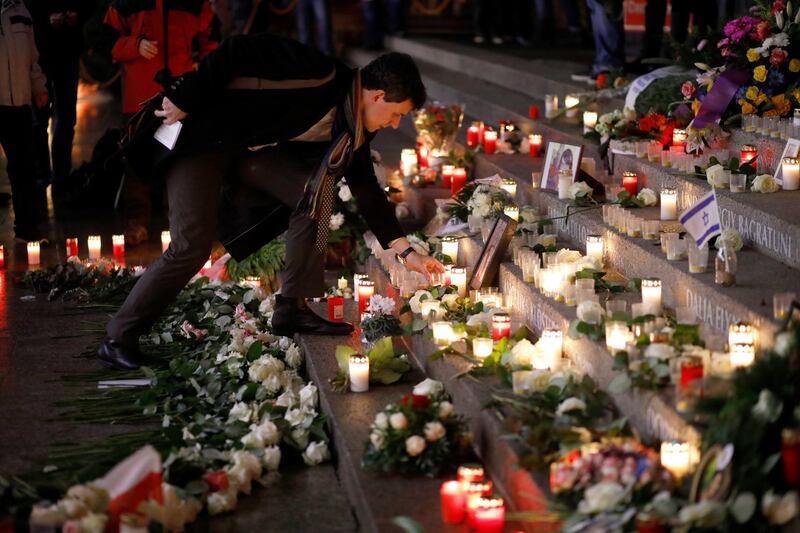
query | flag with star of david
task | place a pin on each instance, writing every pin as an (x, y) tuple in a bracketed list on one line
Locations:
[(702, 219)]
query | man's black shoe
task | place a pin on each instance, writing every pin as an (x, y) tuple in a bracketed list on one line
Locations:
[(292, 315), (118, 356)]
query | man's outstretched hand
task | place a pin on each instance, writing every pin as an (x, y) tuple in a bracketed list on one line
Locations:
[(170, 112)]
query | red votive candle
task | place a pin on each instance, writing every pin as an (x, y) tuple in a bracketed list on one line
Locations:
[(473, 133), (447, 174), (533, 112), (489, 141), (72, 247), (691, 369), (630, 181), (335, 308), (790, 456), (458, 180), (470, 472), (118, 242), (535, 142), (453, 502), (679, 137), (501, 326), (749, 153), (488, 515), (422, 157), (2, 256), (366, 289)]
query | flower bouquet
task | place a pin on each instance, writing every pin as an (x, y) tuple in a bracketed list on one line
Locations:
[(480, 200), (378, 321), (420, 434), (385, 367), (437, 125)]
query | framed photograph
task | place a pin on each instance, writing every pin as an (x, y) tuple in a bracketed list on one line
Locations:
[(713, 478), (492, 254), (560, 157), (792, 149)]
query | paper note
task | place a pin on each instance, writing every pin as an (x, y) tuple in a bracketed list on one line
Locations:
[(168, 135)]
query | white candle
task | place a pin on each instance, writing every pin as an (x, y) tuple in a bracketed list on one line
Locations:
[(594, 246), (95, 245), (564, 182), (589, 121), (450, 248), (458, 277), (511, 212), (359, 373), (482, 347), (741, 333), (510, 186), (651, 295), (550, 345), (617, 335), (342, 283), (742, 355), (791, 174), (408, 161), (676, 457), (669, 204), (571, 105), (550, 105), (442, 333), (33, 253), (166, 239), (356, 279)]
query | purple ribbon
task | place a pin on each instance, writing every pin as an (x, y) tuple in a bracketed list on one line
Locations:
[(720, 96)]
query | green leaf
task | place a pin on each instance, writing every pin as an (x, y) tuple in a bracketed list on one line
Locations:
[(386, 376), (343, 354), (247, 392), (418, 325), (620, 361), (407, 524), (196, 488), (254, 352), (621, 383), (521, 334), (381, 352)]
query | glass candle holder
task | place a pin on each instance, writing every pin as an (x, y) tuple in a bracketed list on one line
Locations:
[(570, 293), (738, 183), (564, 183), (366, 289), (666, 237), (741, 333), (616, 306), (482, 347), (512, 212), (630, 181), (510, 186), (782, 304), (501, 326), (676, 249), (651, 229), (536, 179), (617, 335), (633, 226), (442, 332), (698, 257), (550, 105), (791, 173)]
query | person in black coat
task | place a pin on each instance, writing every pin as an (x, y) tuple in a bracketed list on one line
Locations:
[(283, 123)]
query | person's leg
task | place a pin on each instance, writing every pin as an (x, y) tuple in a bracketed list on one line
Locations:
[(322, 16), (572, 14), (65, 98), (41, 140), (16, 136), (655, 13), (193, 184), (609, 35)]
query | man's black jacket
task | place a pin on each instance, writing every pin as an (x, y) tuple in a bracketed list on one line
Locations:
[(289, 87)]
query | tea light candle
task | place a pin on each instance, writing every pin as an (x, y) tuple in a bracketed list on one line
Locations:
[(669, 204), (442, 332), (489, 141), (356, 279), (791, 173), (511, 211), (482, 348), (118, 243), (450, 247), (366, 289), (617, 335), (408, 162), (72, 247), (166, 239), (342, 283), (742, 355), (473, 135), (571, 105), (594, 246), (458, 277), (458, 180), (430, 309), (501, 326), (740, 333), (510, 186), (470, 472), (359, 373), (550, 344), (564, 182), (33, 252), (679, 137), (651, 295), (447, 174), (95, 245), (748, 153), (488, 515), (336, 308), (589, 121), (630, 181), (535, 143), (453, 501), (676, 457)]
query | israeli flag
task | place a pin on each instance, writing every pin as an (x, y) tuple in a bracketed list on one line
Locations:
[(702, 219)]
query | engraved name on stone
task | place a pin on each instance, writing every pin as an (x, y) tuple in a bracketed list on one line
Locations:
[(576, 231), (759, 233), (710, 313)]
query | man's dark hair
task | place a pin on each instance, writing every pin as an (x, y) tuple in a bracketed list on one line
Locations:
[(397, 75)]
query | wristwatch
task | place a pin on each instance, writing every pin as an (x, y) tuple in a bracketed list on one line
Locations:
[(402, 256)]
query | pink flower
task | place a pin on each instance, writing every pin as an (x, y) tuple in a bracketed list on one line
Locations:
[(702, 45), (777, 6), (688, 89), (777, 57), (190, 331)]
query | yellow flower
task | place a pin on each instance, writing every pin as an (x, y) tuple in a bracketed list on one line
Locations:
[(794, 65), (752, 93), (747, 107), (753, 55), (761, 99), (781, 106), (796, 95), (760, 73), (695, 107)]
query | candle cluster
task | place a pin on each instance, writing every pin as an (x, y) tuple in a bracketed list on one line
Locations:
[(469, 499)]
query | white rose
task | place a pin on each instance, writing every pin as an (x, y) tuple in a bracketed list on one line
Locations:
[(72, 508), (240, 411), (50, 516), (398, 421), (414, 302), (381, 421), (240, 477), (764, 184), (308, 396), (603, 496), (272, 458), (570, 404), (315, 453), (523, 353), (415, 445), (450, 300), (295, 417), (779, 510), (344, 193), (565, 255), (588, 261), (294, 357), (287, 399), (429, 387), (434, 431), (445, 409), (716, 176), (272, 384), (588, 311), (377, 439), (784, 343), (578, 189), (300, 436), (659, 350), (706, 514), (768, 408), (268, 432), (336, 222), (479, 318), (647, 197), (222, 501), (732, 237), (93, 523)]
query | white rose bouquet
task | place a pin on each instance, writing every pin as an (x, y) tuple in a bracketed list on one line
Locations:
[(420, 434), (481, 200)]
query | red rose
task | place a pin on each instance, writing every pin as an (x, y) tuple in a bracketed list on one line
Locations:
[(688, 89), (602, 79), (216, 481), (777, 57), (778, 5), (763, 30)]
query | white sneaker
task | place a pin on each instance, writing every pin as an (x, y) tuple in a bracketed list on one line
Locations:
[(497, 41), (478, 39)]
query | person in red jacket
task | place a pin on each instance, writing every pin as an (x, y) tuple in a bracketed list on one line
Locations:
[(141, 50)]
